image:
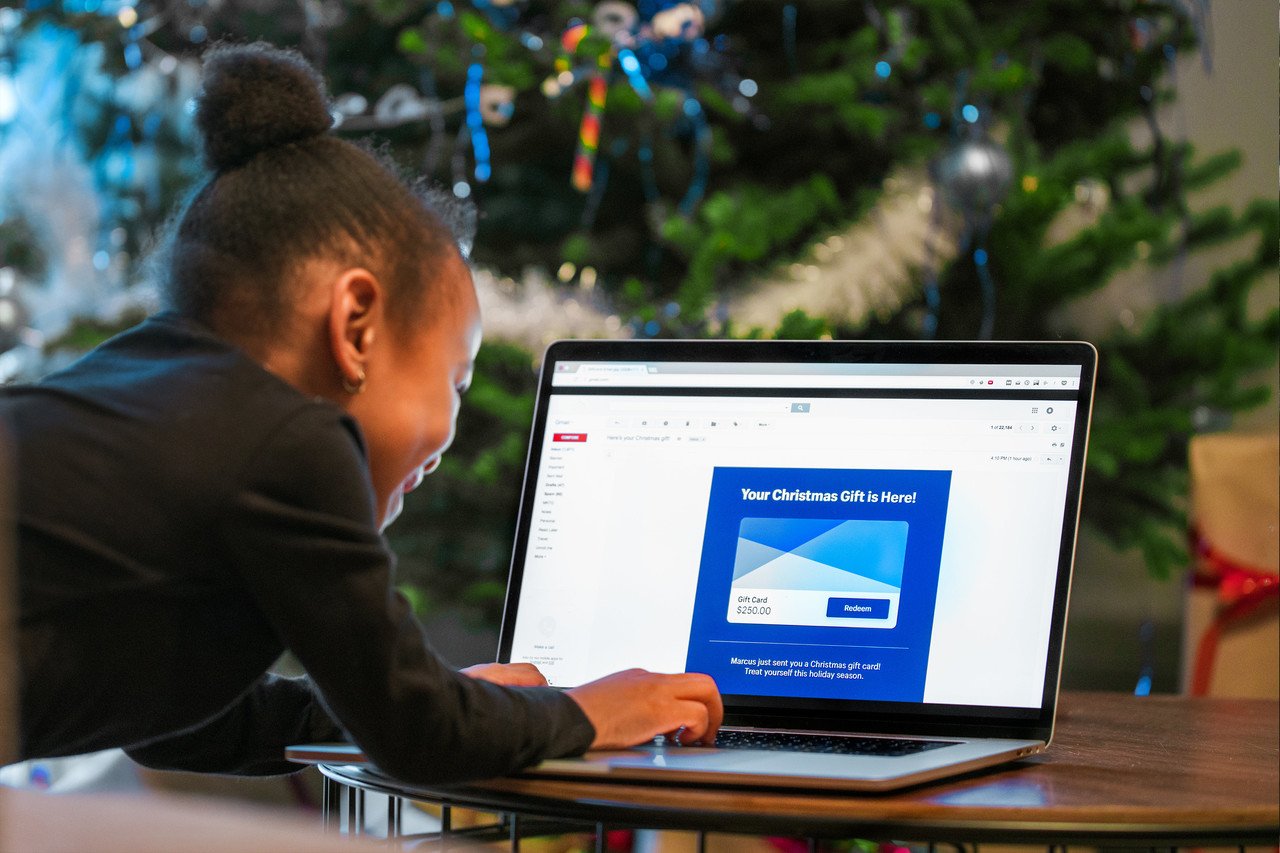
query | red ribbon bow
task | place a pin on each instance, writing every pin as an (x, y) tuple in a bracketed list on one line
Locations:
[(1242, 590)]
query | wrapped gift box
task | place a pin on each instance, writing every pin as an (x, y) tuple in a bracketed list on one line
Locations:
[(1232, 628)]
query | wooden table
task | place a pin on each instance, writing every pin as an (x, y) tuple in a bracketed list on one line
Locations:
[(1122, 770)]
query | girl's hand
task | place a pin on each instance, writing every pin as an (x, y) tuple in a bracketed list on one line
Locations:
[(507, 674), (634, 706)]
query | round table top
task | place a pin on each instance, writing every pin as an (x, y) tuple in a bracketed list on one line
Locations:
[(1133, 770)]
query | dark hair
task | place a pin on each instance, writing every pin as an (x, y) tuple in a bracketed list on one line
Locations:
[(283, 190)]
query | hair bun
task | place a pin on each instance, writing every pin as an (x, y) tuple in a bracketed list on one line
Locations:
[(257, 97)]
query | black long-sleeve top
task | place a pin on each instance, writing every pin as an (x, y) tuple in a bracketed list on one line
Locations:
[(184, 516)]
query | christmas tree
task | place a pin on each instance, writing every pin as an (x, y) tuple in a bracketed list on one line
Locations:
[(926, 169)]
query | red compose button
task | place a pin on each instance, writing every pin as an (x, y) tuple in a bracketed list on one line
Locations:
[(569, 436)]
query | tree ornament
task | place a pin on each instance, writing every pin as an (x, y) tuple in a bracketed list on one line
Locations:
[(349, 104), (678, 21), (400, 104), (497, 104), (974, 176), (589, 133), (13, 314), (616, 21)]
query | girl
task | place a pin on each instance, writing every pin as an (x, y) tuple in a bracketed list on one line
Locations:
[(207, 489)]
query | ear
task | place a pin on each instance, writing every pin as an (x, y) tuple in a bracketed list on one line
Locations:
[(355, 313)]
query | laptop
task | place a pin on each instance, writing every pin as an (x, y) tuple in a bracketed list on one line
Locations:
[(868, 545)]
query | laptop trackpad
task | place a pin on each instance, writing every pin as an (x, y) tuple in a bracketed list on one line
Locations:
[(604, 762), (687, 758)]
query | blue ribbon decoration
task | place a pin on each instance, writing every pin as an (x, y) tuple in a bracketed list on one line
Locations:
[(701, 155), (475, 122)]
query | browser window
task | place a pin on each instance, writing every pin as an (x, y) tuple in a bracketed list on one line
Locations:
[(888, 533)]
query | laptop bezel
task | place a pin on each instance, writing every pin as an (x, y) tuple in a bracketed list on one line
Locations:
[(851, 715)]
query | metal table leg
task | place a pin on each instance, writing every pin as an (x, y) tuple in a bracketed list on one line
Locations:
[(394, 810), (355, 811), (331, 805)]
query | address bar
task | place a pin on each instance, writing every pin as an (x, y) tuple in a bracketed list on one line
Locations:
[(610, 370)]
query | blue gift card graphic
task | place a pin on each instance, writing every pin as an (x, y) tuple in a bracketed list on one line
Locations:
[(821, 554)]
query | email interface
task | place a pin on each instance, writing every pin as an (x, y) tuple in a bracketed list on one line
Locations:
[(886, 533)]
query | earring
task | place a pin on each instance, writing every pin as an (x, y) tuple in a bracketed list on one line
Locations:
[(354, 387)]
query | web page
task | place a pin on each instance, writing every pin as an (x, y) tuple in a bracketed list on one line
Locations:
[(881, 547)]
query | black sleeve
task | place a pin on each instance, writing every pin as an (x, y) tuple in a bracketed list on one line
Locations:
[(249, 738), (302, 531)]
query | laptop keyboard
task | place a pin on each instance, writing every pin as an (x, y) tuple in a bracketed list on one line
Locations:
[(836, 744)]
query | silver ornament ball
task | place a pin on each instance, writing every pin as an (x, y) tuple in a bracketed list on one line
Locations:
[(974, 175)]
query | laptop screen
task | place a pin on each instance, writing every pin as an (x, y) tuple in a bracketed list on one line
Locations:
[(836, 529)]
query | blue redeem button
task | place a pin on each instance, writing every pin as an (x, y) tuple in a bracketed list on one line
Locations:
[(858, 608)]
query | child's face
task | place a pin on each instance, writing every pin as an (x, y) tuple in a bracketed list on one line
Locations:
[(410, 406)]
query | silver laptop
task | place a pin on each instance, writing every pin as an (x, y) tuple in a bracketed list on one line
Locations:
[(868, 545)]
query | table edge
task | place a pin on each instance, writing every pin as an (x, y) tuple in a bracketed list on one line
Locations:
[(1262, 827)]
